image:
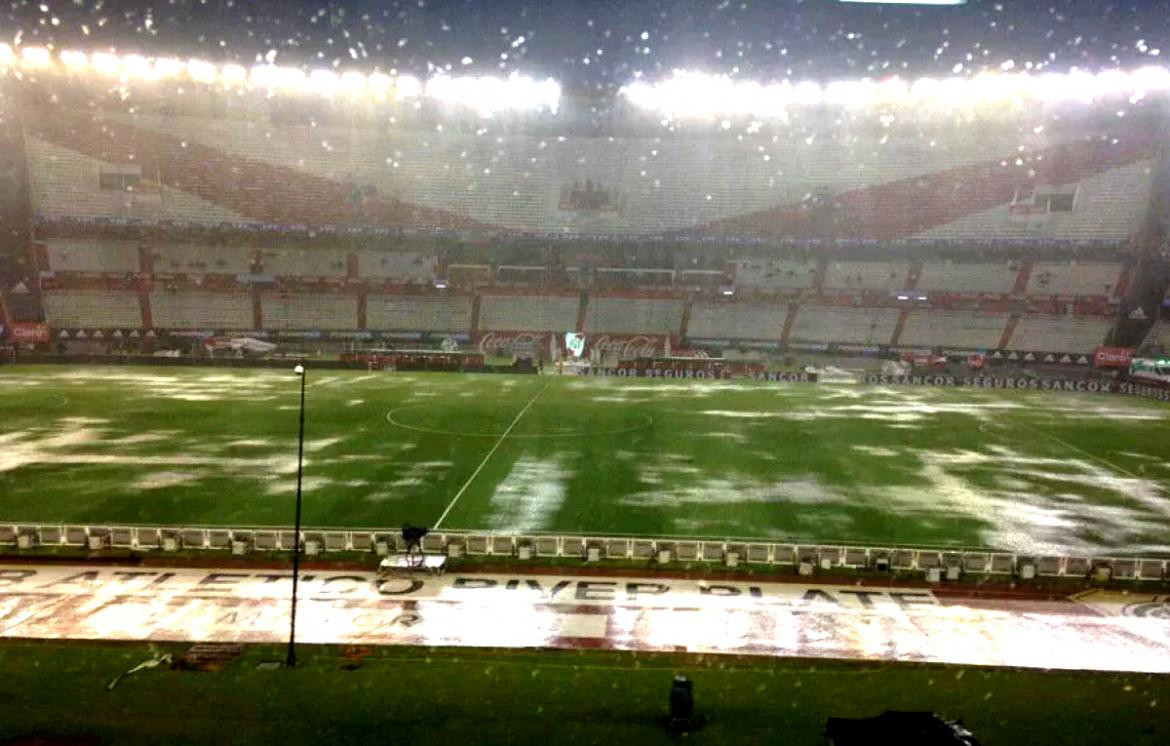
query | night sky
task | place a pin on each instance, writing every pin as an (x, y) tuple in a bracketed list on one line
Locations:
[(603, 44)]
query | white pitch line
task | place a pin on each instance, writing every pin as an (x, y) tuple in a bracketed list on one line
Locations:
[(1060, 441), (1082, 451), (488, 457)]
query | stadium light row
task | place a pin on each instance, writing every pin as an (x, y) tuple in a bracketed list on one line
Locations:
[(486, 94), (684, 95), (696, 95)]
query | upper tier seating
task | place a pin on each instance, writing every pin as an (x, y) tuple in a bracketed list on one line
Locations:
[(304, 262), (867, 275), (309, 311), (431, 313), (956, 277), (91, 255), (633, 315), (403, 266), (528, 313), (1159, 335), (184, 309), (736, 321), (860, 326), (959, 330), (93, 309), (172, 258), (65, 183), (767, 274), (1059, 334), (1074, 278)]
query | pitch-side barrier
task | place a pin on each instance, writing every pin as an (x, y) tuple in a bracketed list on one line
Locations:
[(805, 559)]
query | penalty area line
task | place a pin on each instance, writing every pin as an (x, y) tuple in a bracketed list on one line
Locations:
[(1060, 441), (489, 455)]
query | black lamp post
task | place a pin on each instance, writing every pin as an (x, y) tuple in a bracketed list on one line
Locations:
[(292, 624)]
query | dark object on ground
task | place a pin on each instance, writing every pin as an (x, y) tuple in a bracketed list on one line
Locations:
[(413, 536), (209, 656), (904, 728), (682, 705)]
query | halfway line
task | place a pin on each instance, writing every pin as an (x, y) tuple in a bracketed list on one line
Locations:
[(488, 457)]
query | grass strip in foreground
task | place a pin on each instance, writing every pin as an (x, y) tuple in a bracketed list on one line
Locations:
[(402, 695)]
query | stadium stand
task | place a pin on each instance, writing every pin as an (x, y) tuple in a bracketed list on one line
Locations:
[(960, 277), (64, 183), (431, 313), (528, 313), (949, 185), (304, 263), (92, 309), (767, 274), (864, 326), (736, 321), (404, 266), (1059, 334), (307, 311), (1107, 202), (1073, 278), (1159, 336), (953, 330), (183, 258), (181, 309), (91, 255), (616, 315), (867, 275)]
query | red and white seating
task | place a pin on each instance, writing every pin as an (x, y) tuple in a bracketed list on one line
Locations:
[(840, 325), (92, 309), (528, 313), (633, 315), (736, 321), (186, 309), (959, 330), (413, 313)]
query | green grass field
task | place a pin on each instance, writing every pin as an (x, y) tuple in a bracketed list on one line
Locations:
[(415, 695), (1026, 471)]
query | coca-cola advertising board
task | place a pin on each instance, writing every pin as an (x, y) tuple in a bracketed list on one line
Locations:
[(627, 346), (524, 344)]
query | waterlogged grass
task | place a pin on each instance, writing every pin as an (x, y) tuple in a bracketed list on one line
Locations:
[(414, 695), (1017, 470)]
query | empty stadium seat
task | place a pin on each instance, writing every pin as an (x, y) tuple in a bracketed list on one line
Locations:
[(91, 255), (633, 315), (407, 177), (736, 321), (309, 311), (961, 277), (93, 309), (184, 309), (404, 266), (528, 313), (185, 258), (1073, 278), (960, 330), (314, 262), (765, 274), (1059, 334), (1159, 335), (867, 275), (64, 183), (862, 326), (433, 313)]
